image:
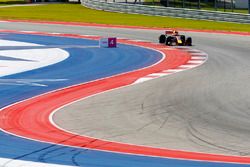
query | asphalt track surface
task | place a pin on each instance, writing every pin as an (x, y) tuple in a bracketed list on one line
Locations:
[(201, 110), (207, 108)]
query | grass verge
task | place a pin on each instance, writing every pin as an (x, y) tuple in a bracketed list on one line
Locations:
[(12, 2), (78, 13)]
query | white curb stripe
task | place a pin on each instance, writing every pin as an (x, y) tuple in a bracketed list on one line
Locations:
[(172, 70), (29, 31), (188, 66), (142, 80), (196, 61), (202, 58), (157, 74), (199, 54), (197, 58)]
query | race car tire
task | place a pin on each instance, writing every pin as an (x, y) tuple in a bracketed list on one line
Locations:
[(174, 41), (162, 38), (188, 41), (169, 41), (183, 39)]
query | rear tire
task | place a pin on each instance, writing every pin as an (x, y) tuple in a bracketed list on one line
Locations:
[(169, 41), (183, 39), (188, 41), (174, 41), (162, 39)]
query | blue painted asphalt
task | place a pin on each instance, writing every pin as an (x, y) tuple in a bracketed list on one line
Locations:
[(83, 65)]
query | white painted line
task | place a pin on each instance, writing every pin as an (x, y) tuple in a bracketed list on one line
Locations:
[(196, 61), (199, 54), (142, 80), (167, 48), (193, 50), (157, 74), (188, 66), (16, 43), (173, 70), (89, 36), (150, 77), (123, 38), (198, 58), (55, 33), (29, 31), (30, 82), (6, 162), (182, 48), (28, 59)]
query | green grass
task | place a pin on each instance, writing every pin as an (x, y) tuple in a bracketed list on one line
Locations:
[(78, 13), (12, 2)]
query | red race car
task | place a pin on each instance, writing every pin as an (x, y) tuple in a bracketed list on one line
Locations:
[(173, 38)]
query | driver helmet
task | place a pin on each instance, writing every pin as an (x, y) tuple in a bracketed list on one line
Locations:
[(175, 32)]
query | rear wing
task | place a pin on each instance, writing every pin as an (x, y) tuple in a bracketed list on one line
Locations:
[(169, 32)]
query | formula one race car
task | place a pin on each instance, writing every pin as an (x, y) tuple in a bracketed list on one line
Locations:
[(172, 38)]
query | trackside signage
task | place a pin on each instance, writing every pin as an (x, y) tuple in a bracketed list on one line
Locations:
[(108, 42)]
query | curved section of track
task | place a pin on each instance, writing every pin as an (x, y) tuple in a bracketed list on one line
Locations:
[(194, 110), (186, 163)]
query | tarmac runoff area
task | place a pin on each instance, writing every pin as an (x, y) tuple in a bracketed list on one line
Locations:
[(205, 109)]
